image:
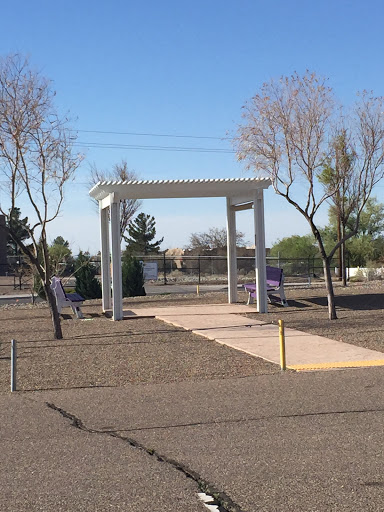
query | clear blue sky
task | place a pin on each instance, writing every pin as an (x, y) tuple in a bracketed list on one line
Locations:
[(184, 68)]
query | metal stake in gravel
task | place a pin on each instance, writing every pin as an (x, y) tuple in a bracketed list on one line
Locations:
[(13, 365)]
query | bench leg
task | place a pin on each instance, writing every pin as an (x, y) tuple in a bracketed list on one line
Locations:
[(77, 311), (250, 299), (284, 301)]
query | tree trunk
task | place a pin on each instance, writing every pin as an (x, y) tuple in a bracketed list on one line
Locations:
[(342, 247), (57, 332), (327, 273), (340, 251), (330, 293), (344, 274)]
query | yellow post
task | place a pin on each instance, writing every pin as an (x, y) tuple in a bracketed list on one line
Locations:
[(197, 289), (282, 345)]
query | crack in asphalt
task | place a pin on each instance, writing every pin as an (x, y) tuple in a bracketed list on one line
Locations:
[(243, 420), (222, 500)]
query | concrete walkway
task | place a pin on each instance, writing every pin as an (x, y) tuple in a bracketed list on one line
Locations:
[(224, 324)]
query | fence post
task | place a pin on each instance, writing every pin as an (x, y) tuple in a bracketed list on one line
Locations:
[(199, 268), (164, 268), (13, 365)]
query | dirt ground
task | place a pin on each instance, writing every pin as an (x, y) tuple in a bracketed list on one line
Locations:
[(97, 352)]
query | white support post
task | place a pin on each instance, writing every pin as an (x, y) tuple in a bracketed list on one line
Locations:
[(260, 260), (231, 252), (105, 259), (117, 293)]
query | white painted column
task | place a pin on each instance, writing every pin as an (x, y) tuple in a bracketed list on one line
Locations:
[(260, 260), (117, 293), (231, 252), (105, 259)]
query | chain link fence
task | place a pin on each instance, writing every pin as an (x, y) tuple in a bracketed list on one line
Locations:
[(200, 269), (213, 269)]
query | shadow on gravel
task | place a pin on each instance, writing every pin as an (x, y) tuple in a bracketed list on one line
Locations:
[(89, 316), (127, 334), (360, 302), (62, 346), (296, 304)]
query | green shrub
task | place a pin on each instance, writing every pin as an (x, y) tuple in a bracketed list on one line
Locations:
[(87, 284), (133, 277), (38, 287)]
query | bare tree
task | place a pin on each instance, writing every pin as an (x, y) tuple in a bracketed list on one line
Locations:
[(292, 131), (214, 238), (128, 207), (36, 161)]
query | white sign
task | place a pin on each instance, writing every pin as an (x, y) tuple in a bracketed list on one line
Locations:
[(150, 270)]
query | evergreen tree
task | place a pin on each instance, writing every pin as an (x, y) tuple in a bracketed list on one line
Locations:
[(142, 231), (60, 256), (87, 284), (133, 277), (19, 227), (59, 240)]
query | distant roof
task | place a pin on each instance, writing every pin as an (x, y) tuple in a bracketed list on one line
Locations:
[(152, 189)]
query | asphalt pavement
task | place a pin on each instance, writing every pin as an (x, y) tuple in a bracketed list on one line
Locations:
[(309, 441), (49, 465), (286, 442)]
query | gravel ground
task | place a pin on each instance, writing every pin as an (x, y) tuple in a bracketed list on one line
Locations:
[(99, 352)]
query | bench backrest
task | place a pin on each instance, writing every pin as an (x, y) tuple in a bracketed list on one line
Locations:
[(58, 289), (274, 276)]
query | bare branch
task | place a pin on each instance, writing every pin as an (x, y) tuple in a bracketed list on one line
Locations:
[(121, 172), (313, 152), (36, 159)]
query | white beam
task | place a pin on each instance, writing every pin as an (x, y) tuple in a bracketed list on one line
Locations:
[(117, 293), (245, 206), (231, 253), (260, 260), (105, 203), (105, 259), (237, 200)]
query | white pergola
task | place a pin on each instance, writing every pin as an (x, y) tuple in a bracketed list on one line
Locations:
[(240, 193)]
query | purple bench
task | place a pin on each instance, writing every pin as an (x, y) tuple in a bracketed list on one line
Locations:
[(73, 300), (275, 285)]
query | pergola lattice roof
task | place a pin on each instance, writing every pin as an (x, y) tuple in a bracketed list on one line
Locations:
[(152, 189)]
